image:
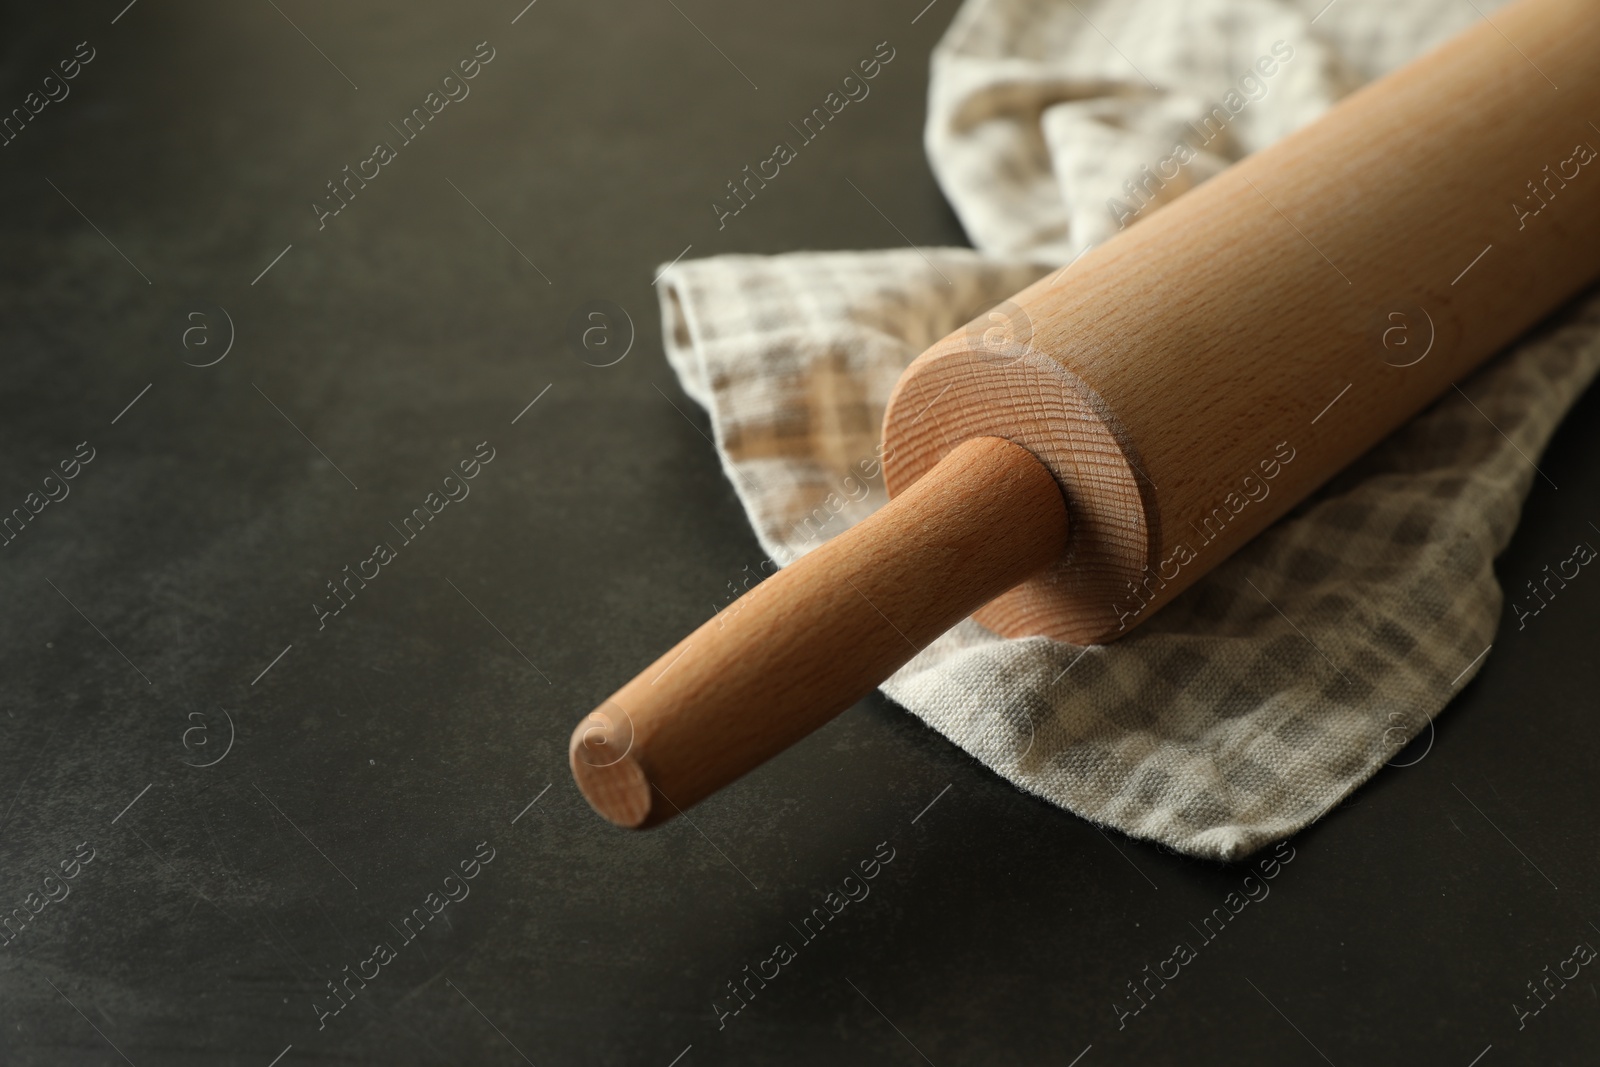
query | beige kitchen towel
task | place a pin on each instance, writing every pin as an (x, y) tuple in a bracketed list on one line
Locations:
[(1285, 678)]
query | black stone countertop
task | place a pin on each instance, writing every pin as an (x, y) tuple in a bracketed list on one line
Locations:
[(161, 611)]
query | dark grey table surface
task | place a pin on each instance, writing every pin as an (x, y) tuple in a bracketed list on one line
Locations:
[(267, 795)]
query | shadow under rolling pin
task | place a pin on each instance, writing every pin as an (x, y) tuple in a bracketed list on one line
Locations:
[(1177, 363)]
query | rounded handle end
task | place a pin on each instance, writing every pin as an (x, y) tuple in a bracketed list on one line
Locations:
[(607, 770)]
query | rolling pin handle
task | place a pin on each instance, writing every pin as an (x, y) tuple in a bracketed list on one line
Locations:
[(820, 634)]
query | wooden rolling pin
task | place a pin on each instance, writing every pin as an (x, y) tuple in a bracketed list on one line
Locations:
[(1174, 392)]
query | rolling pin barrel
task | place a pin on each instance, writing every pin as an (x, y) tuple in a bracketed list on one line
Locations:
[(1196, 376), (1177, 390)]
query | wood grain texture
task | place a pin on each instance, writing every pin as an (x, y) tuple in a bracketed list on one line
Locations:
[(820, 634), (1162, 376)]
